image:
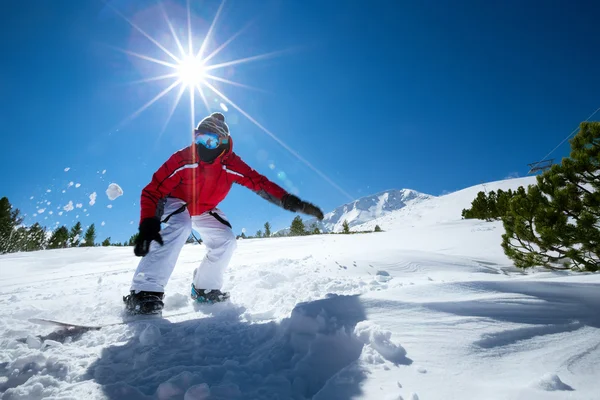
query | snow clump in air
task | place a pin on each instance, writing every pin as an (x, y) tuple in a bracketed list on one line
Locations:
[(114, 191), (69, 206), (67, 169), (93, 198)]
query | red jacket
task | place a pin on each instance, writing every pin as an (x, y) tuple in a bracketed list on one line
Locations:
[(203, 186)]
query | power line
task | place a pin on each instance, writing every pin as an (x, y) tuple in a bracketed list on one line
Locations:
[(564, 140)]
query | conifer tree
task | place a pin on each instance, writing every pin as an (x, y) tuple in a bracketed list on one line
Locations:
[(90, 237), (297, 227), (267, 229), (377, 228), (345, 227), (36, 238), (75, 234), (9, 221), (106, 242), (555, 223), (59, 238)]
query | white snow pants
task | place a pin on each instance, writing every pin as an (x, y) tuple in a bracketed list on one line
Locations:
[(154, 269)]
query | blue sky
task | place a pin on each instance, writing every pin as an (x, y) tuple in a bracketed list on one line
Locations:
[(431, 95)]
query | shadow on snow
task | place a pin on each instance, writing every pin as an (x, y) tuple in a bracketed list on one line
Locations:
[(311, 354)]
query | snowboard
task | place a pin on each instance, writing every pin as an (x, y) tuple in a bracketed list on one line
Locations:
[(126, 320)]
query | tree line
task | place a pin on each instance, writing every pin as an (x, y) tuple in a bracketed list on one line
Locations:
[(554, 223), (17, 237), (299, 228)]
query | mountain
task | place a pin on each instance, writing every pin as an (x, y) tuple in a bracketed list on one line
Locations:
[(367, 209)]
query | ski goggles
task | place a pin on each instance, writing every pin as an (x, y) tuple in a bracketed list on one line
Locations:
[(210, 140)]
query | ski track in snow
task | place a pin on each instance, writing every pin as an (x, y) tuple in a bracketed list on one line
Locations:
[(428, 309)]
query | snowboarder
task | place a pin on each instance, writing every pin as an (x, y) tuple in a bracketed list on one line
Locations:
[(183, 194)]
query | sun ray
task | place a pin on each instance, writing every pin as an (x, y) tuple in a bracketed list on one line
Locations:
[(189, 26), (140, 30), (245, 60), (279, 141), (218, 78), (148, 104), (154, 78), (231, 39), (144, 57), (192, 111), (210, 29), (172, 29), (172, 111), (203, 98)]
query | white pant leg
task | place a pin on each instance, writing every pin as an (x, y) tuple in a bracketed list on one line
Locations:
[(154, 270), (220, 243)]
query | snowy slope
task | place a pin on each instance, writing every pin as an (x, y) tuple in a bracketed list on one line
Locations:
[(440, 209), (429, 309), (368, 208)]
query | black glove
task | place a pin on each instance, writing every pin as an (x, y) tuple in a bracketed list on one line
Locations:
[(293, 203), (149, 231)]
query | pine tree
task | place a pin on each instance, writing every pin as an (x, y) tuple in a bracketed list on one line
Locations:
[(315, 230), (555, 223), (106, 242), (267, 229), (297, 227), (243, 235), (133, 239), (345, 227), (59, 238), (75, 234), (36, 238), (89, 237), (9, 221), (259, 234), (377, 228)]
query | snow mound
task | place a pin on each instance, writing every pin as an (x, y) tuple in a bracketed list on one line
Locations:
[(150, 336), (378, 344), (551, 382), (114, 191)]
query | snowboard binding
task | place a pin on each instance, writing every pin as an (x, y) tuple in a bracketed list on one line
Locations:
[(146, 303), (208, 296)]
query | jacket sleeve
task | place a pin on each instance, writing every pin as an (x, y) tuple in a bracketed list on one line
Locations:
[(261, 185), (164, 180)]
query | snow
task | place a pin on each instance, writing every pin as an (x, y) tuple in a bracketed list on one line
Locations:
[(367, 209), (224, 107), (78, 205), (77, 185), (67, 169), (113, 191), (69, 206), (428, 309), (93, 198)]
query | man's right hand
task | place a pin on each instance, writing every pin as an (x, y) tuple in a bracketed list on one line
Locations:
[(293, 203), (149, 231)]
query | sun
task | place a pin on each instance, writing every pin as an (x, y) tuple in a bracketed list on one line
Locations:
[(191, 71), (195, 72)]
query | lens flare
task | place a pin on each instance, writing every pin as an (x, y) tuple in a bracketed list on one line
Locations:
[(192, 70)]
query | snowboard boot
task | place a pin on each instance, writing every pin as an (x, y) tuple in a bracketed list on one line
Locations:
[(144, 302), (208, 296)]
